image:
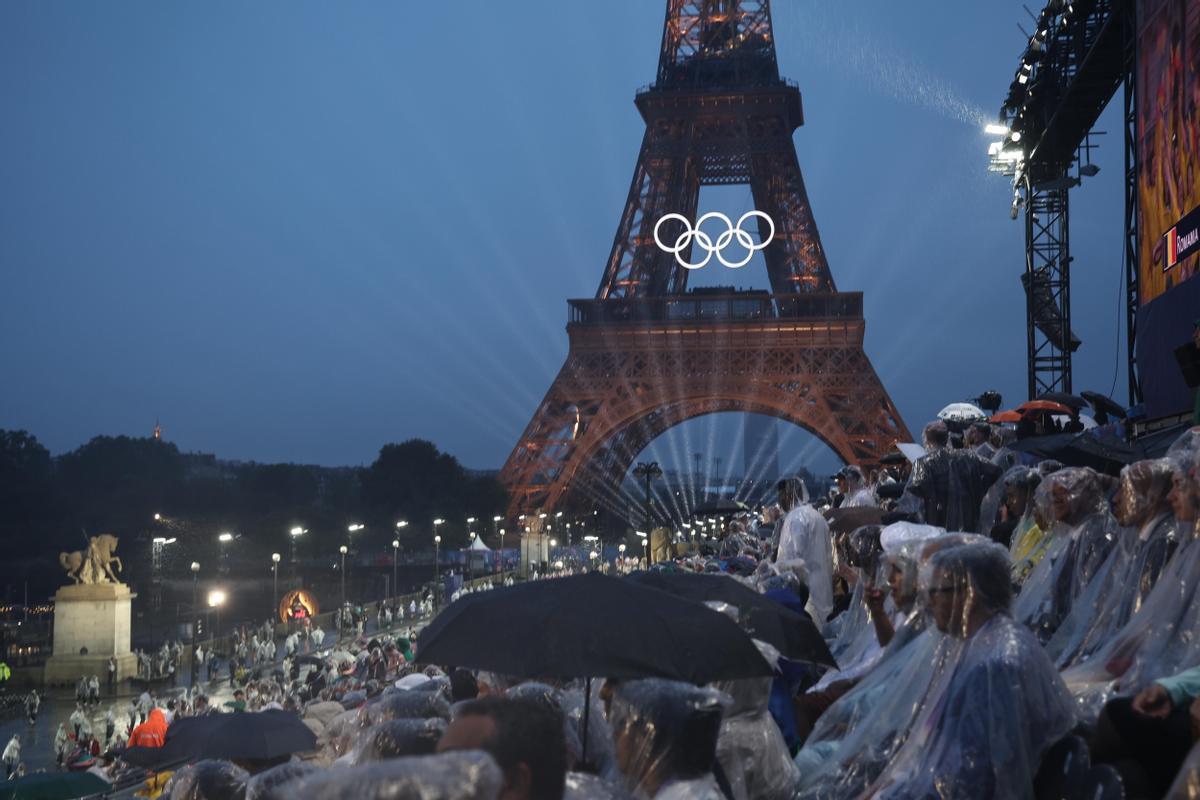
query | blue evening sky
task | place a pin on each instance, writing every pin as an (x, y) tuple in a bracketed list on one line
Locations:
[(294, 231)]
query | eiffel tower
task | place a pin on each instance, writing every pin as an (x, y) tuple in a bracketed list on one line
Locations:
[(645, 355)]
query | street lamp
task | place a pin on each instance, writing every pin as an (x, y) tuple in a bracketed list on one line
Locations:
[(343, 550), (195, 575), (395, 556), (216, 599), (224, 539), (275, 579), (471, 558), (294, 534), (355, 528), (437, 544), (648, 471)]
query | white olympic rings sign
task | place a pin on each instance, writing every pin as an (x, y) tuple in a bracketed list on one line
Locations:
[(705, 242)]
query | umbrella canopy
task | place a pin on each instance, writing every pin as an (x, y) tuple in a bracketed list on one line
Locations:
[(1102, 453), (1068, 400), (1106, 404), (796, 637), (253, 736), (961, 412), (844, 520), (587, 626), (53, 786), (1007, 416), (1038, 406)]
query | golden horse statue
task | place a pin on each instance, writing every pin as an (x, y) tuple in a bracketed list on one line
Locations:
[(93, 565)]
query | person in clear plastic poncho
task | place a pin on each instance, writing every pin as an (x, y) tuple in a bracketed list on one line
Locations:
[(804, 535), (855, 738), (1027, 502), (858, 493), (1146, 540), (1082, 534), (665, 737), (950, 483), (1159, 640), (997, 703), (858, 558), (1002, 514), (886, 595), (751, 748)]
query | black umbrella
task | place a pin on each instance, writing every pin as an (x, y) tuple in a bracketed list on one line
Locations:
[(1106, 404), (1068, 400), (587, 626), (796, 637), (1101, 453), (316, 661), (252, 736)]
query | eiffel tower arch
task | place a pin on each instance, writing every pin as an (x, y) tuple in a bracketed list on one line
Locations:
[(645, 354)]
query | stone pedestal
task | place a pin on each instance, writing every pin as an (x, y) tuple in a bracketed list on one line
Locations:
[(94, 617)]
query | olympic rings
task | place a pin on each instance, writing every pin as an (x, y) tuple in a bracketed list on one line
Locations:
[(705, 242)]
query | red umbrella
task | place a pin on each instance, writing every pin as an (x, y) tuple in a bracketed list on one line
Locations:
[(1036, 406), (1007, 416)]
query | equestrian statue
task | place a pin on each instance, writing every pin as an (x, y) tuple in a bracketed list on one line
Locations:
[(93, 565)]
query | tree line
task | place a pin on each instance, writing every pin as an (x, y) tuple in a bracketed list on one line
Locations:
[(117, 484)]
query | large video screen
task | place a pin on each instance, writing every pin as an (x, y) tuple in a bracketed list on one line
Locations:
[(1168, 98)]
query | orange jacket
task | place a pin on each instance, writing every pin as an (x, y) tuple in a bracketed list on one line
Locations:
[(152, 732)]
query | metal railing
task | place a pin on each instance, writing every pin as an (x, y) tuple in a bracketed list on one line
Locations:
[(722, 308)]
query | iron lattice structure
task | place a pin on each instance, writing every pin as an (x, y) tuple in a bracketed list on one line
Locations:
[(1080, 53), (644, 354)]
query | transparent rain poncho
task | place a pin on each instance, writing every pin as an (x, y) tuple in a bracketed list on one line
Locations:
[(1146, 539), (950, 483), (599, 735), (554, 699), (462, 775), (858, 494), (849, 633), (582, 786), (1159, 640), (405, 705), (665, 735), (1019, 479), (207, 780), (896, 574), (1083, 533), (1187, 781), (261, 784), (751, 748), (1031, 539), (855, 738), (996, 704), (397, 737), (804, 535)]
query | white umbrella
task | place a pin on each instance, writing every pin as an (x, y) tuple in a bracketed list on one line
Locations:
[(961, 412)]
